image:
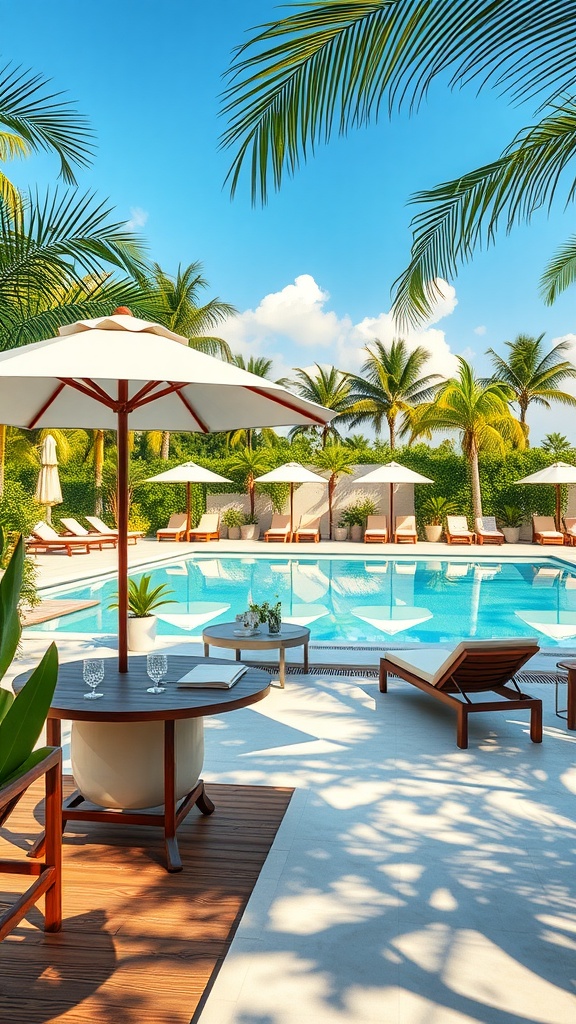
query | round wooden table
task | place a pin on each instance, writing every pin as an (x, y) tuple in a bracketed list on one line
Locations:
[(225, 635), (126, 700)]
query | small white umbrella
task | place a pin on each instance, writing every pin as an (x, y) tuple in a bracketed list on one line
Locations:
[(557, 474), (48, 491), (393, 473), (291, 473), (188, 473)]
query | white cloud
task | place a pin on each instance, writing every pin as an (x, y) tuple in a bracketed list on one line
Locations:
[(138, 218), (480, 330), (295, 327)]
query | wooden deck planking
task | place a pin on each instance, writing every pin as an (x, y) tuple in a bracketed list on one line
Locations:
[(54, 609), (138, 944)]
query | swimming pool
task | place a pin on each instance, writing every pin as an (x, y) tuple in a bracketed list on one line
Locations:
[(353, 600)]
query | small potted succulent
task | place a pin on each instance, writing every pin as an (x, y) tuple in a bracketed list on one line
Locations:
[(233, 518), (250, 529), (435, 509), (510, 519), (142, 602)]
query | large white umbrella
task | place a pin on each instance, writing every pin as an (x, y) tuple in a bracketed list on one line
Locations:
[(48, 491), (188, 473), (558, 473), (291, 473), (392, 473), (119, 370)]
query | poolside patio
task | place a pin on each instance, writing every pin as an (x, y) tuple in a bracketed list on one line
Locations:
[(409, 882)]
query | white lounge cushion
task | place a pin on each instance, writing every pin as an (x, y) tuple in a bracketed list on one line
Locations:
[(432, 663)]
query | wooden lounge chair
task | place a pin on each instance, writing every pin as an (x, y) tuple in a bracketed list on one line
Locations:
[(75, 529), (405, 529), (473, 667), (46, 875), (45, 538), (544, 530), (100, 527), (376, 531), (308, 529), (487, 532), (457, 531), (279, 529), (207, 529), (176, 528), (570, 527)]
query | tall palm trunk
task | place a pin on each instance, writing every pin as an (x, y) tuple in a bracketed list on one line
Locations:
[(165, 448), (392, 429), (475, 481), (331, 489), (98, 470), (2, 456)]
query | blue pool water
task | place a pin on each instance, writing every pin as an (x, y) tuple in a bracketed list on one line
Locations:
[(354, 600)]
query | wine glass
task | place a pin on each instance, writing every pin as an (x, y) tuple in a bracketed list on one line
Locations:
[(156, 667), (93, 673)]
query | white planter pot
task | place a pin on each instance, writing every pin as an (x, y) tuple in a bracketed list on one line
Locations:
[(250, 532), (341, 533), (233, 533), (141, 633), (511, 534), (356, 532), (433, 532), (122, 766)]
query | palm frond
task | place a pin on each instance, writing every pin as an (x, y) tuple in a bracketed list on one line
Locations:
[(560, 272)]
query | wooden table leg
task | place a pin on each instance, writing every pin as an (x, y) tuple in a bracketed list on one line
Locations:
[(571, 705), (173, 858), (237, 655), (282, 667), (306, 662), (206, 650)]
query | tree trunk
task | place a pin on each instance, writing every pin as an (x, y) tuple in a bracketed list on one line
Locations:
[(523, 424), (98, 470), (165, 449), (251, 494), (331, 489), (475, 481), (2, 456), (392, 429)]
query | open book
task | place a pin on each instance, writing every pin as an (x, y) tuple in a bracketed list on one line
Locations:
[(217, 677)]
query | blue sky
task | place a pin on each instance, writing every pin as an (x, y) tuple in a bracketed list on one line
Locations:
[(311, 273)]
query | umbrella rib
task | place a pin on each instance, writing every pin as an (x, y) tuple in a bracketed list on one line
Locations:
[(103, 395), (203, 426), (46, 405), (287, 405), (92, 390), (170, 389), (144, 391)]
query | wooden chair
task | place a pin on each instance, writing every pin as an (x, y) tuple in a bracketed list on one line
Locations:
[(176, 528), (457, 531), (207, 529), (376, 531), (279, 529), (473, 667), (102, 528), (570, 527), (308, 529), (46, 874), (405, 529), (487, 532), (75, 529), (45, 538), (544, 530)]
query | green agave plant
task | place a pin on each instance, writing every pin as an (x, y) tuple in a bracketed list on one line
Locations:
[(141, 600), (21, 718)]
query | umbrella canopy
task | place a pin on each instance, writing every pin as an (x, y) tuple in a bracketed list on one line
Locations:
[(118, 370), (188, 473), (48, 491), (291, 473), (393, 473), (557, 474)]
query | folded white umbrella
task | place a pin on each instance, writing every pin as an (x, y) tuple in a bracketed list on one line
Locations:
[(291, 473), (118, 372), (393, 473), (188, 473), (48, 491), (557, 474)]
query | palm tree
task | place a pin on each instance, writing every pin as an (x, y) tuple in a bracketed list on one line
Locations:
[(35, 119), (260, 366), (338, 460), (479, 411), (248, 463), (343, 65), (328, 387), (557, 444), (390, 385), (175, 302), (534, 375)]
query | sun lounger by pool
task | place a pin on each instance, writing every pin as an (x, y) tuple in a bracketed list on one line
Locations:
[(279, 529), (473, 667), (45, 538), (176, 528), (100, 527), (487, 532), (376, 531), (308, 529), (405, 529), (545, 532), (570, 527), (207, 529), (457, 531), (75, 529)]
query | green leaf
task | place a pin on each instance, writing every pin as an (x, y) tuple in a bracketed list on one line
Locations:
[(35, 757), (10, 587), (23, 722), (6, 699)]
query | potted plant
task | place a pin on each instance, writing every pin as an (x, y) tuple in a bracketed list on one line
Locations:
[(270, 613), (510, 520), (354, 517), (251, 528), (435, 509), (141, 603), (341, 531), (233, 519)]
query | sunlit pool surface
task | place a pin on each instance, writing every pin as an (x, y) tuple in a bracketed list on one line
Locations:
[(353, 600)]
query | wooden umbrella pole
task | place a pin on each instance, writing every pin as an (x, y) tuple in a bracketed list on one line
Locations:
[(558, 507), (122, 483), (188, 512), (291, 508), (391, 504)]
